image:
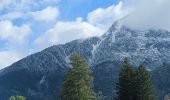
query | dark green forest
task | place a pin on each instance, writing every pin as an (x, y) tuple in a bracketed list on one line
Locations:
[(133, 83)]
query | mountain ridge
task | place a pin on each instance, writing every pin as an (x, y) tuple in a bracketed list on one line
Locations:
[(46, 69)]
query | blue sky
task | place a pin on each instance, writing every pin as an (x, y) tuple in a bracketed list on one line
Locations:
[(81, 7)]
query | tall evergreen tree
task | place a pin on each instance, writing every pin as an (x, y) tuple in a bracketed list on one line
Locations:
[(78, 83), (144, 85), (125, 86), (134, 84)]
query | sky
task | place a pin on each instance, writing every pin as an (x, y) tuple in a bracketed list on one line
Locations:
[(29, 26)]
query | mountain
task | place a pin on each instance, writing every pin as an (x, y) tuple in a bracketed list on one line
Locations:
[(40, 76)]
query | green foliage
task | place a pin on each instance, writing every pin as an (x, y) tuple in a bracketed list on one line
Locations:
[(17, 98), (12, 98), (78, 83), (134, 84)]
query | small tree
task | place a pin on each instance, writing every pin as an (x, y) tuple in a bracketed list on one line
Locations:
[(17, 98), (78, 83), (12, 98)]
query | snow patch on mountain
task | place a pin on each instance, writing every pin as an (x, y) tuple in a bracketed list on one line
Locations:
[(42, 80), (67, 59)]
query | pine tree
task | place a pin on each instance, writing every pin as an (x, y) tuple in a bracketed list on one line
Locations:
[(78, 83), (125, 86), (144, 85)]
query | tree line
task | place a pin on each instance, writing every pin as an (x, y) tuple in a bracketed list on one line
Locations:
[(133, 83)]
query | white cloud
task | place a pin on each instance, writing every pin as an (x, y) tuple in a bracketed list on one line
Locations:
[(16, 20), (98, 22), (64, 32), (16, 5), (51, 1), (11, 16), (148, 14), (5, 3), (104, 17), (47, 14), (12, 33), (9, 57), (25, 5)]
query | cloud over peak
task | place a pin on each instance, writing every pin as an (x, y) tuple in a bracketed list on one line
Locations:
[(64, 32), (148, 14), (97, 23), (104, 17)]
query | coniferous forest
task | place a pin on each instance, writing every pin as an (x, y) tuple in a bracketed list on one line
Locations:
[(133, 83)]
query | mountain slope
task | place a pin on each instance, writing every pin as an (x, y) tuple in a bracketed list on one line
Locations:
[(161, 80), (39, 76)]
